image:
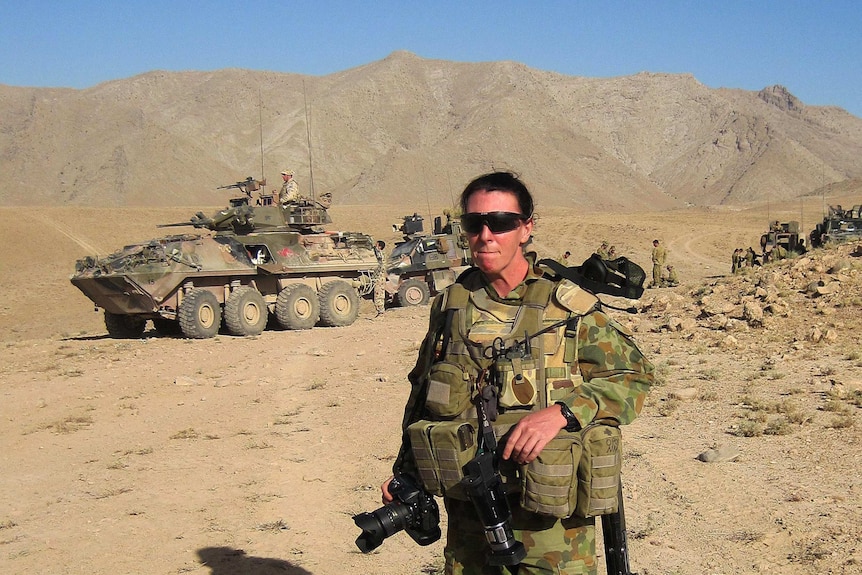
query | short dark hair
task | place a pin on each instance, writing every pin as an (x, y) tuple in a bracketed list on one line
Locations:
[(500, 182)]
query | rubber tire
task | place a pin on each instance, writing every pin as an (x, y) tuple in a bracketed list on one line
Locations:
[(413, 292), (339, 304), (245, 312), (297, 307), (200, 314), (164, 326), (122, 326)]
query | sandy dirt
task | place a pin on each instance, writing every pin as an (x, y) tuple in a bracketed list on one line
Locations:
[(250, 455)]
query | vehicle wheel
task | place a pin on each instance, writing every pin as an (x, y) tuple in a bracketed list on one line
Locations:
[(200, 314), (166, 326), (413, 292), (339, 304), (245, 312), (297, 307), (121, 326)]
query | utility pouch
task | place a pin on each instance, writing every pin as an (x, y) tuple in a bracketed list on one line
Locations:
[(518, 383), (449, 390), (549, 483), (441, 449), (599, 470)]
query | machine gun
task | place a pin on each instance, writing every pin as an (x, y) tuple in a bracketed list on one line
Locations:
[(246, 186)]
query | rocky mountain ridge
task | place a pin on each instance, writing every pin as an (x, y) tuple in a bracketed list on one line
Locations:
[(408, 130)]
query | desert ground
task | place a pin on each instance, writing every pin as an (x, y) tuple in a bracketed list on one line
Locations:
[(250, 455)]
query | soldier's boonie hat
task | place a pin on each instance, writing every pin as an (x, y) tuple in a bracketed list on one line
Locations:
[(287, 173)]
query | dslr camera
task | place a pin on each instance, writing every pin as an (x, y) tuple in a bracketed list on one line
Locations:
[(411, 509)]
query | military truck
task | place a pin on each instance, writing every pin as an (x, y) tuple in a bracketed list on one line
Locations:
[(422, 265), (839, 225), (253, 261), (784, 235)]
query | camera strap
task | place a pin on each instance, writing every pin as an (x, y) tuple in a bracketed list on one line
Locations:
[(486, 411)]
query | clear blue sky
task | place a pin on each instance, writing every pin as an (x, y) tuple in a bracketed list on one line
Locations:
[(814, 48)]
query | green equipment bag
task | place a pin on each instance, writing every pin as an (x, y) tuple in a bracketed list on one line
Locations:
[(549, 483), (441, 449), (599, 470)]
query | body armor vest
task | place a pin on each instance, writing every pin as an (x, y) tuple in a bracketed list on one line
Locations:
[(528, 346)]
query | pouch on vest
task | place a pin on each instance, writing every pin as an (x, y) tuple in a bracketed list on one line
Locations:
[(518, 382), (449, 390), (441, 449), (599, 470), (549, 483)]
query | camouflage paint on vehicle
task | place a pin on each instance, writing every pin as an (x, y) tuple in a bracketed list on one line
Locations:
[(255, 261)]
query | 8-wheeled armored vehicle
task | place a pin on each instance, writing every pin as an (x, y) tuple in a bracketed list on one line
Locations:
[(253, 262)]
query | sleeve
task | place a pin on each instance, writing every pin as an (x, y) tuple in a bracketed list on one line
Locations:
[(413, 410), (617, 376)]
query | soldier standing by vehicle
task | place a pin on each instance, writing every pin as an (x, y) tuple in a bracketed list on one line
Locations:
[(380, 278), (659, 256), (737, 260), (750, 257), (592, 371), (289, 193)]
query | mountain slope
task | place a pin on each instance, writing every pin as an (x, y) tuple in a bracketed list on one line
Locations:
[(413, 131)]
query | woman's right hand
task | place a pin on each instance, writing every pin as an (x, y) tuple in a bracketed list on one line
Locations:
[(387, 497)]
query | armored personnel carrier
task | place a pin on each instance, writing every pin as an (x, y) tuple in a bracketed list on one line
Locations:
[(839, 225), (253, 261), (784, 235), (423, 264)]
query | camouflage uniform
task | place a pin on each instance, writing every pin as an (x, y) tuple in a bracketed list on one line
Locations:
[(380, 281), (289, 193), (602, 252), (616, 378), (659, 256), (672, 279)]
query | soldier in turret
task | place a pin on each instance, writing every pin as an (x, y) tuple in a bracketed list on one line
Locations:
[(289, 193)]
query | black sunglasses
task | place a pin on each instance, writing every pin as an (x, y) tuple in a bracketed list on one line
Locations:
[(497, 222)]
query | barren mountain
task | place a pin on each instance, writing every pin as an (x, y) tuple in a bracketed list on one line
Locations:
[(411, 130)]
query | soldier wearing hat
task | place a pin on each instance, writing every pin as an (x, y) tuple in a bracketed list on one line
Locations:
[(289, 193)]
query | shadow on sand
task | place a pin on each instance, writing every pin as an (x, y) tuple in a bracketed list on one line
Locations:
[(229, 561)]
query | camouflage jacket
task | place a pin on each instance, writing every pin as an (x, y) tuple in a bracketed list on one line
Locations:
[(616, 375)]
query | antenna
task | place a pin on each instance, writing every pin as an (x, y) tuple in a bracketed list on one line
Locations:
[(451, 198), (260, 124), (308, 139), (427, 199)]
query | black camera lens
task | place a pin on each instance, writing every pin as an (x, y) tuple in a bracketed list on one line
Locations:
[(380, 524)]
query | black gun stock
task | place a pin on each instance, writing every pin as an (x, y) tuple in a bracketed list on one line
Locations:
[(616, 541)]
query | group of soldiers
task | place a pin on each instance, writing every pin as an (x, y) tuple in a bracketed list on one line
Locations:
[(745, 259), (663, 274)]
